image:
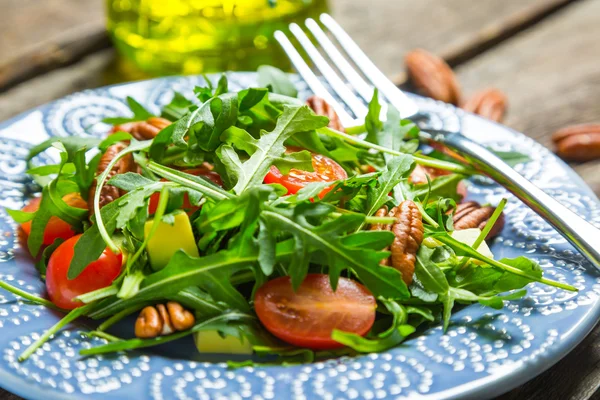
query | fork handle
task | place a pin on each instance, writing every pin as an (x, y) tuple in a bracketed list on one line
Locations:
[(583, 235)]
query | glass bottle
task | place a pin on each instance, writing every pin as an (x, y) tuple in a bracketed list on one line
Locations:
[(196, 36)]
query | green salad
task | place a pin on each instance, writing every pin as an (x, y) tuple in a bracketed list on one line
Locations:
[(257, 223)]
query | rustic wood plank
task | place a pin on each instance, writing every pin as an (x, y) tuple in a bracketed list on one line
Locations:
[(59, 38), (550, 75), (386, 30), (41, 35)]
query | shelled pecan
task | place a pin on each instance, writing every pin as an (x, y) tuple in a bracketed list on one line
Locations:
[(472, 215), (321, 107), (110, 193), (143, 130), (578, 142), (432, 76), (489, 103), (408, 232), (162, 320)]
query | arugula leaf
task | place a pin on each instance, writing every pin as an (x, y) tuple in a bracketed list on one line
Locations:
[(90, 245), (430, 275), (376, 345), (396, 169), (441, 187), (381, 281), (139, 113), (19, 216), (372, 122), (42, 263), (270, 147), (510, 281), (177, 108), (277, 80)]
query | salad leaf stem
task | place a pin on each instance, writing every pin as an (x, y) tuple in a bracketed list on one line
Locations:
[(486, 229), (369, 219), (209, 324), (103, 335), (163, 200), (71, 316), (419, 159), (426, 216), (455, 244), (100, 182), (29, 296), (97, 294), (119, 316), (356, 130), (199, 184)]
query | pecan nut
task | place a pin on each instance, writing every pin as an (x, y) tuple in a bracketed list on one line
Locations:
[(408, 231), (432, 76), (321, 107), (143, 130), (110, 193), (578, 142), (489, 103), (472, 215), (163, 320)]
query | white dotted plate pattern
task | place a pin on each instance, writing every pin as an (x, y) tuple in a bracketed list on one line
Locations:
[(484, 352)]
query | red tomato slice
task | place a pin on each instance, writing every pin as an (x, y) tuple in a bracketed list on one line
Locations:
[(187, 206), (307, 317), (325, 170), (98, 274), (56, 227)]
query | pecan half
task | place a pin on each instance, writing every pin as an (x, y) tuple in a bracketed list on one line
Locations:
[(110, 193), (489, 103), (408, 232), (433, 76), (472, 215), (321, 107), (143, 130), (409, 235), (578, 142), (160, 320)]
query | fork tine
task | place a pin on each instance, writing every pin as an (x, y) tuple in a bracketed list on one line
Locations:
[(394, 95), (311, 79), (362, 87), (336, 83)]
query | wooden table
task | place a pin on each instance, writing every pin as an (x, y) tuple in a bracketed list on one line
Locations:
[(544, 54)]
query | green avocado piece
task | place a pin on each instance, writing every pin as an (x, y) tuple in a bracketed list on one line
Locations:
[(169, 238)]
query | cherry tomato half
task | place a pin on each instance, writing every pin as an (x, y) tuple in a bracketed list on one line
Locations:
[(325, 170), (96, 275), (307, 317), (56, 227), (187, 206)]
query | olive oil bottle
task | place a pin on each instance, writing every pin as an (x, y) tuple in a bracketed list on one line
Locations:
[(196, 36)]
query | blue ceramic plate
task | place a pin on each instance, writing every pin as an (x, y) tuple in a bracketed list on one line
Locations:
[(484, 352)]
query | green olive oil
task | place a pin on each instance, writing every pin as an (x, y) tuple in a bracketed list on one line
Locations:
[(196, 36)]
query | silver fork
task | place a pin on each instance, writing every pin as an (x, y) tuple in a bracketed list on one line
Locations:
[(583, 235)]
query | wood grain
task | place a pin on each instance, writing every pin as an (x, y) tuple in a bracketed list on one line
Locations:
[(550, 75), (38, 36)]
